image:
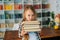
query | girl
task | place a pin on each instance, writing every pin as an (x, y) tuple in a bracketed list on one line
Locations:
[(29, 15)]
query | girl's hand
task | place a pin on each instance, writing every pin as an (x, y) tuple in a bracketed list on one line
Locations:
[(23, 32)]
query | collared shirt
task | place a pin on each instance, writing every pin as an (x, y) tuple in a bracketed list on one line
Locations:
[(33, 36)]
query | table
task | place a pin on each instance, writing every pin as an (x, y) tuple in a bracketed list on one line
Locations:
[(45, 33), (49, 32)]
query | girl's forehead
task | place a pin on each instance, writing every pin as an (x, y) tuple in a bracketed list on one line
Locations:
[(29, 11)]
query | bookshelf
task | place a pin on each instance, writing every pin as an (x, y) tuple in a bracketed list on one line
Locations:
[(45, 13), (13, 9), (11, 12), (6, 16)]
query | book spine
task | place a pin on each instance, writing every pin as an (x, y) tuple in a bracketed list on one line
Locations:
[(33, 30), (31, 26)]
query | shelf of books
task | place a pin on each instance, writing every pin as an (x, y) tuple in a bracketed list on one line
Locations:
[(6, 13), (45, 13)]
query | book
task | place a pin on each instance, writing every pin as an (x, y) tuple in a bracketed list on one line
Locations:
[(1, 7), (10, 25), (2, 34), (31, 26), (2, 16), (31, 22), (33, 30), (2, 25)]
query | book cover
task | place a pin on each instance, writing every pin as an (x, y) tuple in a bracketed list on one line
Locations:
[(31, 26), (31, 22)]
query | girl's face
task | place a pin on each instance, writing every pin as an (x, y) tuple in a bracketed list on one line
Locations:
[(29, 15)]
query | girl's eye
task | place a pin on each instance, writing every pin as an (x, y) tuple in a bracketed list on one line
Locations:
[(32, 15)]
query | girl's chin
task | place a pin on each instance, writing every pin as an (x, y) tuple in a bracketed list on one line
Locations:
[(29, 20)]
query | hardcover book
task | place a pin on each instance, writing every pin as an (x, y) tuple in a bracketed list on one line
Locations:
[(31, 26)]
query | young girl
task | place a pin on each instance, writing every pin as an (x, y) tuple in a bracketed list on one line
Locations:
[(29, 15)]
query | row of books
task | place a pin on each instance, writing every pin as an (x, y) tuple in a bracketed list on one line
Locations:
[(8, 15), (44, 14), (17, 6), (8, 7), (32, 1), (2, 25), (18, 15), (18, 1), (11, 16), (10, 25), (23, 0), (37, 6), (45, 22), (6, 0)]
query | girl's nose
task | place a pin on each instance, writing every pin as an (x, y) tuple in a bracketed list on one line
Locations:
[(30, 17)]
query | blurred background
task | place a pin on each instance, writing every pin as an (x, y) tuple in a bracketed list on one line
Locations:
[(11, 12)]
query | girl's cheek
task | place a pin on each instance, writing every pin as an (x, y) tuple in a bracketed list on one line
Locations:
[(33, 17)]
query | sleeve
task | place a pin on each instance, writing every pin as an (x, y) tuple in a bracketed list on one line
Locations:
[(15, 27)]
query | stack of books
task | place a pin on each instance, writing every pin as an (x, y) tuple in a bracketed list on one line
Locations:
[(31, 26)]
